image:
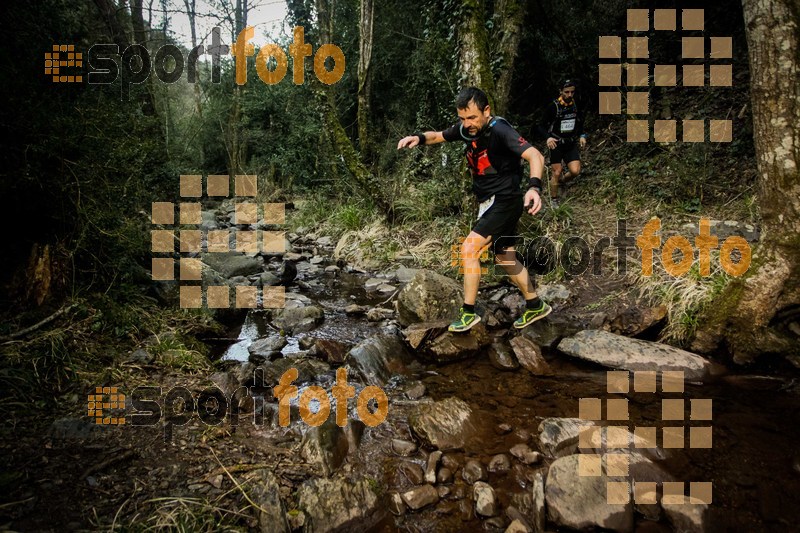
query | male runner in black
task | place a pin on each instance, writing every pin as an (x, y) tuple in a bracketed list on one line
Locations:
[(493, 151), (562, 126)]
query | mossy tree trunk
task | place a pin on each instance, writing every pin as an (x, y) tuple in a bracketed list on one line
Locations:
[(511, 14), (473, 58), (365, 77), (365, 181), (759, 313)]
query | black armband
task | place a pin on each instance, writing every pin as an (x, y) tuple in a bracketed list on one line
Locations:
[(421, 137), (535, 183)]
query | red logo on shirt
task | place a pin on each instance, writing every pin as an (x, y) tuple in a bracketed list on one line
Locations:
[(521, 141)]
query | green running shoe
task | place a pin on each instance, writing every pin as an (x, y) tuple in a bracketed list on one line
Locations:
[(465, 321), (529, 316)]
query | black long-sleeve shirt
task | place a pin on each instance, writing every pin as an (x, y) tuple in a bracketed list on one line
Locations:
[(562, 121)]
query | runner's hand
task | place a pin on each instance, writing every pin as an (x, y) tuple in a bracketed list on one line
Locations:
[(408, 142), (552, 142), (582, 142), (533, 203)]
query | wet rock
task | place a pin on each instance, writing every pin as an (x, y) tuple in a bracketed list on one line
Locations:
[(431, 466), (420, 497), (316, 260), (523, 435), (485, 501), (538, 516), (530, 357), (433, 342), (355, 309), (495, 523), (354, 431), (445, 425), (499, 463), (443, 492), (417, 335), (379, 358), (403, 447), (292, 256), (308, 368), (635, 320), (299, 319), (579, 502), (396, 505), (491, 320), (227, 382), (474, 471), (689, 517), (514, 303), (376, 314), (324, 241), (503, 429), (524, 453), (501, 357), (615, 351), (456, 346), (268, 279), (448, 461), (296, 519), (330, 350), (559, 436), (268, 346), (140, 357), (517, 526), (332, 268), (325, 446), (336, 504), (553, 293), (233, 264), (265, 493), (428, 296), (547, 333), (404, 275), (386, 288), (373, 283), (445, 475), (208, 220), (411, 472), (416, 391)]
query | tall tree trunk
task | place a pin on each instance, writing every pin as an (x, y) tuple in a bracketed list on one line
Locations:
[(236, 153), (191, 11), (137, 21), (756, 313), (364, 77), (473, 60), (511, 14), (341, 143)]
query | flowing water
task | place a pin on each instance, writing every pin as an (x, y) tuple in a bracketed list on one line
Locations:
[(753, 464)]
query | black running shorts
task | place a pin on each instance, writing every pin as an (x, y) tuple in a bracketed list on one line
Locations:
[(566, 152), (500, 223)]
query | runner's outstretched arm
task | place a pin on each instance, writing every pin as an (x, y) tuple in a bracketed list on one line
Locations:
[(429, 137)]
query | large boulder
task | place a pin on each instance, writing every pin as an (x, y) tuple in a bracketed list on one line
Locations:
[(297, 318), (559, 436), (530, 357), (232, 264), (616, 351), (265, 492), (336, 504), (325, 446), (445, 425), (433, 342), (428, 296), (580, 502), (379, 358)]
